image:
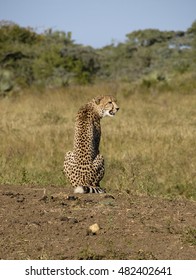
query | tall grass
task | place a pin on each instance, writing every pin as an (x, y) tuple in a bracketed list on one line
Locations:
[(149, 146)]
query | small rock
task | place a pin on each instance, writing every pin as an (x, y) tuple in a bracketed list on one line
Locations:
[(44, 198), (93, 229), (63, 203), (73, 220), (64, 219), (68, 219), (9, 193), (71, 197), (20, 199), (109, 196)]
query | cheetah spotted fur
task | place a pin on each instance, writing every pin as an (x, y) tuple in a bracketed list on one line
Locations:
[(84, 166)]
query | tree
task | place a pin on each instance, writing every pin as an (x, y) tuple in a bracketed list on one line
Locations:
[(149, 37)]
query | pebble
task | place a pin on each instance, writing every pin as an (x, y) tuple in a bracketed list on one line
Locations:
[(93, 229)]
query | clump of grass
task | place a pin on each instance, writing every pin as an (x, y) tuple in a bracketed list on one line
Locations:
[(149, 146), (189, 236), (88, 254)]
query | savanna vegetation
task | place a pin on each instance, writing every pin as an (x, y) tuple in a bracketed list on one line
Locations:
[(149, 147), (52, 59)]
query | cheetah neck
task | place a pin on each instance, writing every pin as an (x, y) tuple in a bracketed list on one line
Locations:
[(87, 135)]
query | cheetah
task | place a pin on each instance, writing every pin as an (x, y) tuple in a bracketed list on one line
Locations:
[(84, 166)]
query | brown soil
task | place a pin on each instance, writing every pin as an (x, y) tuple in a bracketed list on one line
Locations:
[(48, 223)]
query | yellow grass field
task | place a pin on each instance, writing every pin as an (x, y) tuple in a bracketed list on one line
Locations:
[(149, 146)]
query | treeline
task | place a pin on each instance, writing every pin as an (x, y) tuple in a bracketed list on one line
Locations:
[(53, 59)]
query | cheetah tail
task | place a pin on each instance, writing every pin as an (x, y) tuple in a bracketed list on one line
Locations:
[(88, 189)]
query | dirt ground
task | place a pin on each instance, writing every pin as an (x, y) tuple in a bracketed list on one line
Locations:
[(49, 223)]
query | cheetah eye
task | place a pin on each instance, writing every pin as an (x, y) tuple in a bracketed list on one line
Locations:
[(110, 102)]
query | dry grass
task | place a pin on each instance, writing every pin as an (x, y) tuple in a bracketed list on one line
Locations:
[(149, 147)]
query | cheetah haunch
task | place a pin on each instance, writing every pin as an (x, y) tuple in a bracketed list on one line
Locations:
[(84, 166)]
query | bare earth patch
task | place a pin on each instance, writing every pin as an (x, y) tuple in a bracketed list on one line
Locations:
[(48, 223)]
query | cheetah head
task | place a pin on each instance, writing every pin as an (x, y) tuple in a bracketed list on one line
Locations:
[(106, 105)]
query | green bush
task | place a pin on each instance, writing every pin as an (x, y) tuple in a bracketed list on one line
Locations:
[(52, 59), (6, 81)]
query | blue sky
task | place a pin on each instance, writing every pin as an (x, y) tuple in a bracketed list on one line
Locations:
[(99, 22)]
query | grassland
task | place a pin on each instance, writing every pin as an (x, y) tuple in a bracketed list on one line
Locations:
[(149, 146)]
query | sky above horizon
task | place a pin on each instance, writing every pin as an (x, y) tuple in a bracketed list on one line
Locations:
[(100, 22)]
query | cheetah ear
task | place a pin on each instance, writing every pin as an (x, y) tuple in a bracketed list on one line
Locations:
[(97, 99)]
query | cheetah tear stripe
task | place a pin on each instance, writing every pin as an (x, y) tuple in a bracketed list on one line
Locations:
[(87, 189)]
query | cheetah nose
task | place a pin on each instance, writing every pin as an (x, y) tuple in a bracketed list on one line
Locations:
[(117, 108)]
